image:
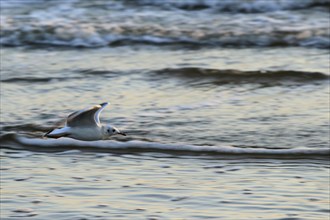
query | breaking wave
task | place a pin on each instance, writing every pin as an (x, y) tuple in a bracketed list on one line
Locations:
[(13, 141), (93, 36), (70, 24), (254, 6)]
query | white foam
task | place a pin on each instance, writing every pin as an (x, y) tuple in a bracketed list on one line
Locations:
[(153, 146), (56, 26)]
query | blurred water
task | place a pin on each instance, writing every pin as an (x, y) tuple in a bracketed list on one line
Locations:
[(186, 79), (196, 23)]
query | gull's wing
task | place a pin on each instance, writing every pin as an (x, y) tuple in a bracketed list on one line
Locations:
[(87, 117)]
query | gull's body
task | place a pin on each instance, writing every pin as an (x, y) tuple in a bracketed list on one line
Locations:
[(85, 125)]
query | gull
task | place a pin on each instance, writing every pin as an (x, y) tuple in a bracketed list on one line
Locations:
[(85, 125)]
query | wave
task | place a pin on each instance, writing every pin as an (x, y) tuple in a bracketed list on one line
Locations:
[(36, 79), (25, 127), (72, 33), (13, 141), (41, 37), (217, 76), (244, 6), (254, 6), (83, 73), (237, 76)]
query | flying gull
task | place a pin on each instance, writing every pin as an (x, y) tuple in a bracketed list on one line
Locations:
[(85, 125)]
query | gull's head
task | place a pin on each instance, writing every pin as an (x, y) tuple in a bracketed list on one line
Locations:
[(109, 130)]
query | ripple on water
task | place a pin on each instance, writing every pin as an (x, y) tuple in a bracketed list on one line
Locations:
[(23, 212)]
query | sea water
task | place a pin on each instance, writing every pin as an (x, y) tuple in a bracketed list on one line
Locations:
[(225, 103)]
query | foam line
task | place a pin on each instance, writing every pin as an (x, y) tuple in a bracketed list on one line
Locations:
[(20, 142)]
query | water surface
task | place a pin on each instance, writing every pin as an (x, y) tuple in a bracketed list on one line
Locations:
[(225, 103)]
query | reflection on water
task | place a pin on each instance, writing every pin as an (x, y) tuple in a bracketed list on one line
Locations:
[(226, 107), (99, 186)]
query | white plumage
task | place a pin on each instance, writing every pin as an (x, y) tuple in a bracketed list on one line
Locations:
[(85, 125)]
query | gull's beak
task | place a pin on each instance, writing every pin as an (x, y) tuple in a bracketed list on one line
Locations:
[(122, 133)]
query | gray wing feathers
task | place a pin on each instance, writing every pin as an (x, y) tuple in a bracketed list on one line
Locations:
[(87, 117)]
